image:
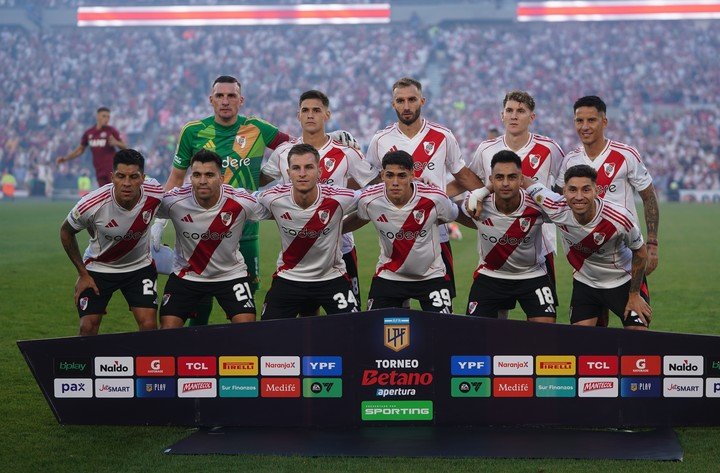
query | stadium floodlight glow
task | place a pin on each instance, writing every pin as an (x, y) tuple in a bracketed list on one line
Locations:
[(557, 11), (244, 15)]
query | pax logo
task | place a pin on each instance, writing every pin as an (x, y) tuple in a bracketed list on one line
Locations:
[(238, 366), (597, 365), (555, 365), (598, 387), (513, 365), (114, 366), (155, 366), (322, 365), (712, 387), (280, 365), (73, 387), (197, 387), (513, 387), (196, 366), (683, 365), (280, 387), (114, 387), (640, 365), (682, 387), (470, 365)]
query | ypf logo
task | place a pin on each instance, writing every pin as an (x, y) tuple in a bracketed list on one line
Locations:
[(322, 366), (470, 365), (396, 333)]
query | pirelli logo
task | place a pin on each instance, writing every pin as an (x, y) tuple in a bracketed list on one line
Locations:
[(238, 365), (555, 365)]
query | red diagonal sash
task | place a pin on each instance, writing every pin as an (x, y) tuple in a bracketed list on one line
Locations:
[(204, 250), (124, 246), (499, 254), (337, 156), (299, 247), (432, 139), (615, 160), (588, 246), (402, 247), (527, 168)]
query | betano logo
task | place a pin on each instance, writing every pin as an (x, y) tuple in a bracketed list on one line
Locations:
[(555, 365), (396, 410), (238, 365)]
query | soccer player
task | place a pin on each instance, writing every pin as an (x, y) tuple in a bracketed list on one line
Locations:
[(310, 270), (406, 215), (208, 217), (340, 165), (510, 242), (434, 150), (541, 158), (103, 141), (603, 244), (117, 217)]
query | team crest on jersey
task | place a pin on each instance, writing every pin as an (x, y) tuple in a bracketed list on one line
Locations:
[(609, 168), (472, 306), (241, 141), (146, 216), (534, 160), (419, 216), (324, 216), (329, 164), (598, 238), (226, 218), (103, 135), (429, 147), (524, 224), (166, 298), (83, 303)]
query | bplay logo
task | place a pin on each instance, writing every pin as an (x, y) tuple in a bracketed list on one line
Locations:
[(239, 387), (555, 387), (322, 365), (119, 366), (280, 365), (238, 366), (513, 387), (682, 387), (73, 387), (155, 366), (683, 365), (640, 387), (640, 365), (470, 365), (712, 387), (64, 367), (512, 365), (713, 366), (322, 387), (155, 387), (196, 366), (555, 365), (109, 387), (470, 387), (598, 387), (396, 410), (197, 387), (280, 387), (597, 365)]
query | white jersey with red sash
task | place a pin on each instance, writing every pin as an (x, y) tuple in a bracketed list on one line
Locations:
[(310, 238), (541, 158), (510, 245), (119, 238), (600, 251), (409, 236), (620, 170), (206, 240)]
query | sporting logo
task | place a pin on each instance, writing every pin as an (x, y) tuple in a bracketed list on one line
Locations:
[(322, 366), (239, 387), (197, 387), (555, 387), (322, 387), (513, 387), (109, 387), (396, 333), (396, 410), (683, 365), (598, 387), (155, 387), (683, 387), (280, 387), (238, 366), (120, 366), (196, 366), (589, 365), (640, 387), (640, 365), (470, 365), (505, 365), (555, 365), (73, 387), (470, 387), (155, 366)]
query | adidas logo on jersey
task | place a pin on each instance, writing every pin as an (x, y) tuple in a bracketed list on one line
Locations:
[(550, 309), (382, 218), (187, 218), (286, 216), (487, 222), (111, 224)]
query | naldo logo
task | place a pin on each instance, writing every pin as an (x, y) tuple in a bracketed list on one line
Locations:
[(683, 365), (114, 366)]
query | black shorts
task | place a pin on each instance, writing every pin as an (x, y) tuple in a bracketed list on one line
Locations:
[(589, 302), (447, 257), (550, 268), (433, 294), (139, 288), (489, 295), (287, 299), (351, 267), (181, 296)]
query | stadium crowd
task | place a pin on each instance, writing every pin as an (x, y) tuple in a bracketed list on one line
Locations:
[(659, 79)]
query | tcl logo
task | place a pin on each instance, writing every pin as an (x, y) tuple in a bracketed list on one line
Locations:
[(597, 365), (640, 365), (197, 365)]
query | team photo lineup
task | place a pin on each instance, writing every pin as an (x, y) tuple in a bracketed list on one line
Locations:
[(231, 171)]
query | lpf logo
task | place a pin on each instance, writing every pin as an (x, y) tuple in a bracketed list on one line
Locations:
[(396, 333)]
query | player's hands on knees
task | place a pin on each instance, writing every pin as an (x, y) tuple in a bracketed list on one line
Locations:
[(652, 263), (638, 305), (84, 282)]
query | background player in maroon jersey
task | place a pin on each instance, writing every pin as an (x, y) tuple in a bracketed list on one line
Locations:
[(104, 141)]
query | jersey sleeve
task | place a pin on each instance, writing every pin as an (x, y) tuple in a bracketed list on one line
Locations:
[(271, 168), (557, 158), (115, 133), (268, 131), (560, 178), (255, 210), (362, 209), (360, 169), (349, 202), (164, 208), (550, 203), (372, 153), (454, 161), (183, 153), (79, 221), (85, 140), (638, 175), (447, 211), (476, 164), (634, 239)]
